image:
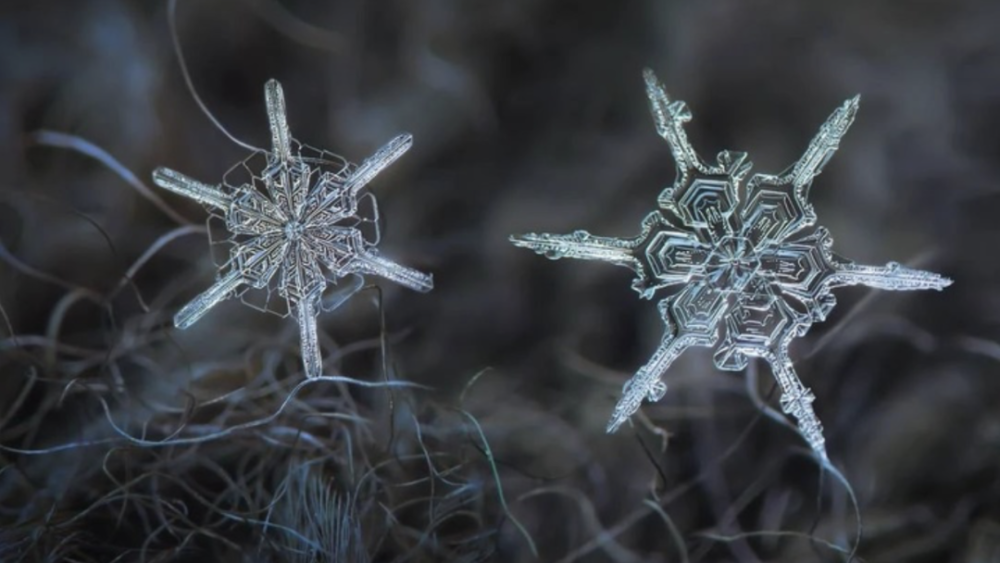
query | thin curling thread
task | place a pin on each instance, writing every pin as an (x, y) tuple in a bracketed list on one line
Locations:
[(172, 21)]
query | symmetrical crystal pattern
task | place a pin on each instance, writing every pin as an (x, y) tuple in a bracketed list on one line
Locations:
[(745, 270), (291, 212)]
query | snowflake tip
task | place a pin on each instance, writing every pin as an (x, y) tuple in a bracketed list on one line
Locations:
[(821, 149), (378, 162), (616, 422), (188, 187), (893, 276), (200, 305), (580, 245), (670, 117), (539, 243), (373, 263), (842, 118), (661, 101), (312, 358)]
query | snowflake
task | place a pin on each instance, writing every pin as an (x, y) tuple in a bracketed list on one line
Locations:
[(749, 272), (293, 209)]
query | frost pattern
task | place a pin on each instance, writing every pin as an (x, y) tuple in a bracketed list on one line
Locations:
[(748, 272), (292, 210)]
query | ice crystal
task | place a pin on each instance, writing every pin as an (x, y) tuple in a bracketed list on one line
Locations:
[(747, 270), (294, 210)]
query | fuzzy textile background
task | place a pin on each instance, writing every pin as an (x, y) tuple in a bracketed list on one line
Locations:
[(123, 439)]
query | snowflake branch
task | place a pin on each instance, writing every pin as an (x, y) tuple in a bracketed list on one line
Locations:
[(893, 276), (373, 263), (821, 149), (281, 138), (796, 400), (312, 359), (188, 187), (581, 245), (219, 292), (647, 383)]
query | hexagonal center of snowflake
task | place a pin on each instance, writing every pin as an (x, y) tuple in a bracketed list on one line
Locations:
[(294, 230), (732, 263)]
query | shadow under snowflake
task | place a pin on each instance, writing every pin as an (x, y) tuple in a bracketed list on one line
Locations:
[(752, 274), (295, 210)]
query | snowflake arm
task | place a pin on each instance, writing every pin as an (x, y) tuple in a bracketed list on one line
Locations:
[(581, 245), (253, 265), (293, 215), (356, 181), (740, 282), (182, 185), (647, 384), (676, 253), (378, 162), (312, 359), (821, 149), (345, 252), (670, 118), (372, 262), (893, 276), (281, 137), (221, 290), (783, 204), (796, 400)]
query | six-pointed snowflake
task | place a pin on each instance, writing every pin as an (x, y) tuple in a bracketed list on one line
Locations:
[(749, 273), (297, 210)]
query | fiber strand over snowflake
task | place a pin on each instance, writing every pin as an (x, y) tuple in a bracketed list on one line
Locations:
[(297, 210), (748, 272)]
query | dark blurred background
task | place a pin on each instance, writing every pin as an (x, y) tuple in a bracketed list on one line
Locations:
[(122, 439)]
